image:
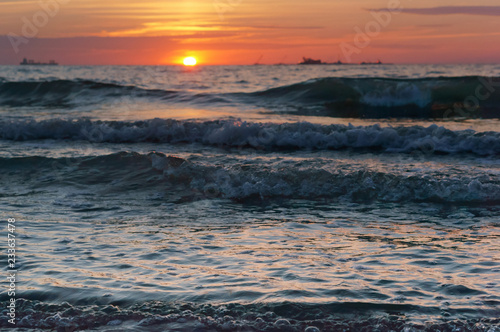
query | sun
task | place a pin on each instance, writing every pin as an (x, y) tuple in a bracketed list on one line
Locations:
[(189, 61)]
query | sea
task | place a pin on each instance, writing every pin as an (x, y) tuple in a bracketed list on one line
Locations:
[(250, 198)]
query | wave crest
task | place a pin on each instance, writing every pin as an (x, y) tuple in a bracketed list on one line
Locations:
[(269, 136), (129, 170), (465, 97)]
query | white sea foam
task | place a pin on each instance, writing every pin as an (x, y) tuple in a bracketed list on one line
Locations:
[(399, 94), (275, 180), (234, 133)]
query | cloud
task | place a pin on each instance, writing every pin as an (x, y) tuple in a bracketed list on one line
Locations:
[(450, 10)]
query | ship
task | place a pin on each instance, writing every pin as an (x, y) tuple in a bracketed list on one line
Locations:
[(309, 61), (33, 63), (372, 63)]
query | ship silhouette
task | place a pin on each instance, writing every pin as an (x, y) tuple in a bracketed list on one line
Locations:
[(309, 61), (372, 63), (33, 63)]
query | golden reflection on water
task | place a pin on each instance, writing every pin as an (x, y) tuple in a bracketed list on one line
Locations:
[(286, 258)]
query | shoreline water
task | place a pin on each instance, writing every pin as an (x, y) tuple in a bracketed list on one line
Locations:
[(234, 198)]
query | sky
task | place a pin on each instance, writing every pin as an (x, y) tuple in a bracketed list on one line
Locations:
[(217, 32)]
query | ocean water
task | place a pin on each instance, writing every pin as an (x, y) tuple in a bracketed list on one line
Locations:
[(252, 198)]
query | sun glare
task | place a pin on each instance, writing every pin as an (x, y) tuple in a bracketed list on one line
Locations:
[(189, 61)]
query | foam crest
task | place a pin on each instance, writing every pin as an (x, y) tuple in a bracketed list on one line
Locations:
[(233, 133), (192, 180)]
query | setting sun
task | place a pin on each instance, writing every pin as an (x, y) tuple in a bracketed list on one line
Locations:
[(189, 61)]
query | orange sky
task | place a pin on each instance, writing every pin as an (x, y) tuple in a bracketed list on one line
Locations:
[(241, 31)]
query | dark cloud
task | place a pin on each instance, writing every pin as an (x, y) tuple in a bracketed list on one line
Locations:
[(449, 10)]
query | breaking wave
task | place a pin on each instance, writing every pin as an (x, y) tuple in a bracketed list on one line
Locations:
[(156, 171), (463, 97), (233, 133)]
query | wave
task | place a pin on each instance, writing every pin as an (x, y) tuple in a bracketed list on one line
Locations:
[(187, 180), (268, 136), (69, 93), (465, 97)]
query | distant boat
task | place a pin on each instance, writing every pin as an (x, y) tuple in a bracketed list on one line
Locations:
[(309, 61), (258, 60), (33, 63), (372, 63)]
